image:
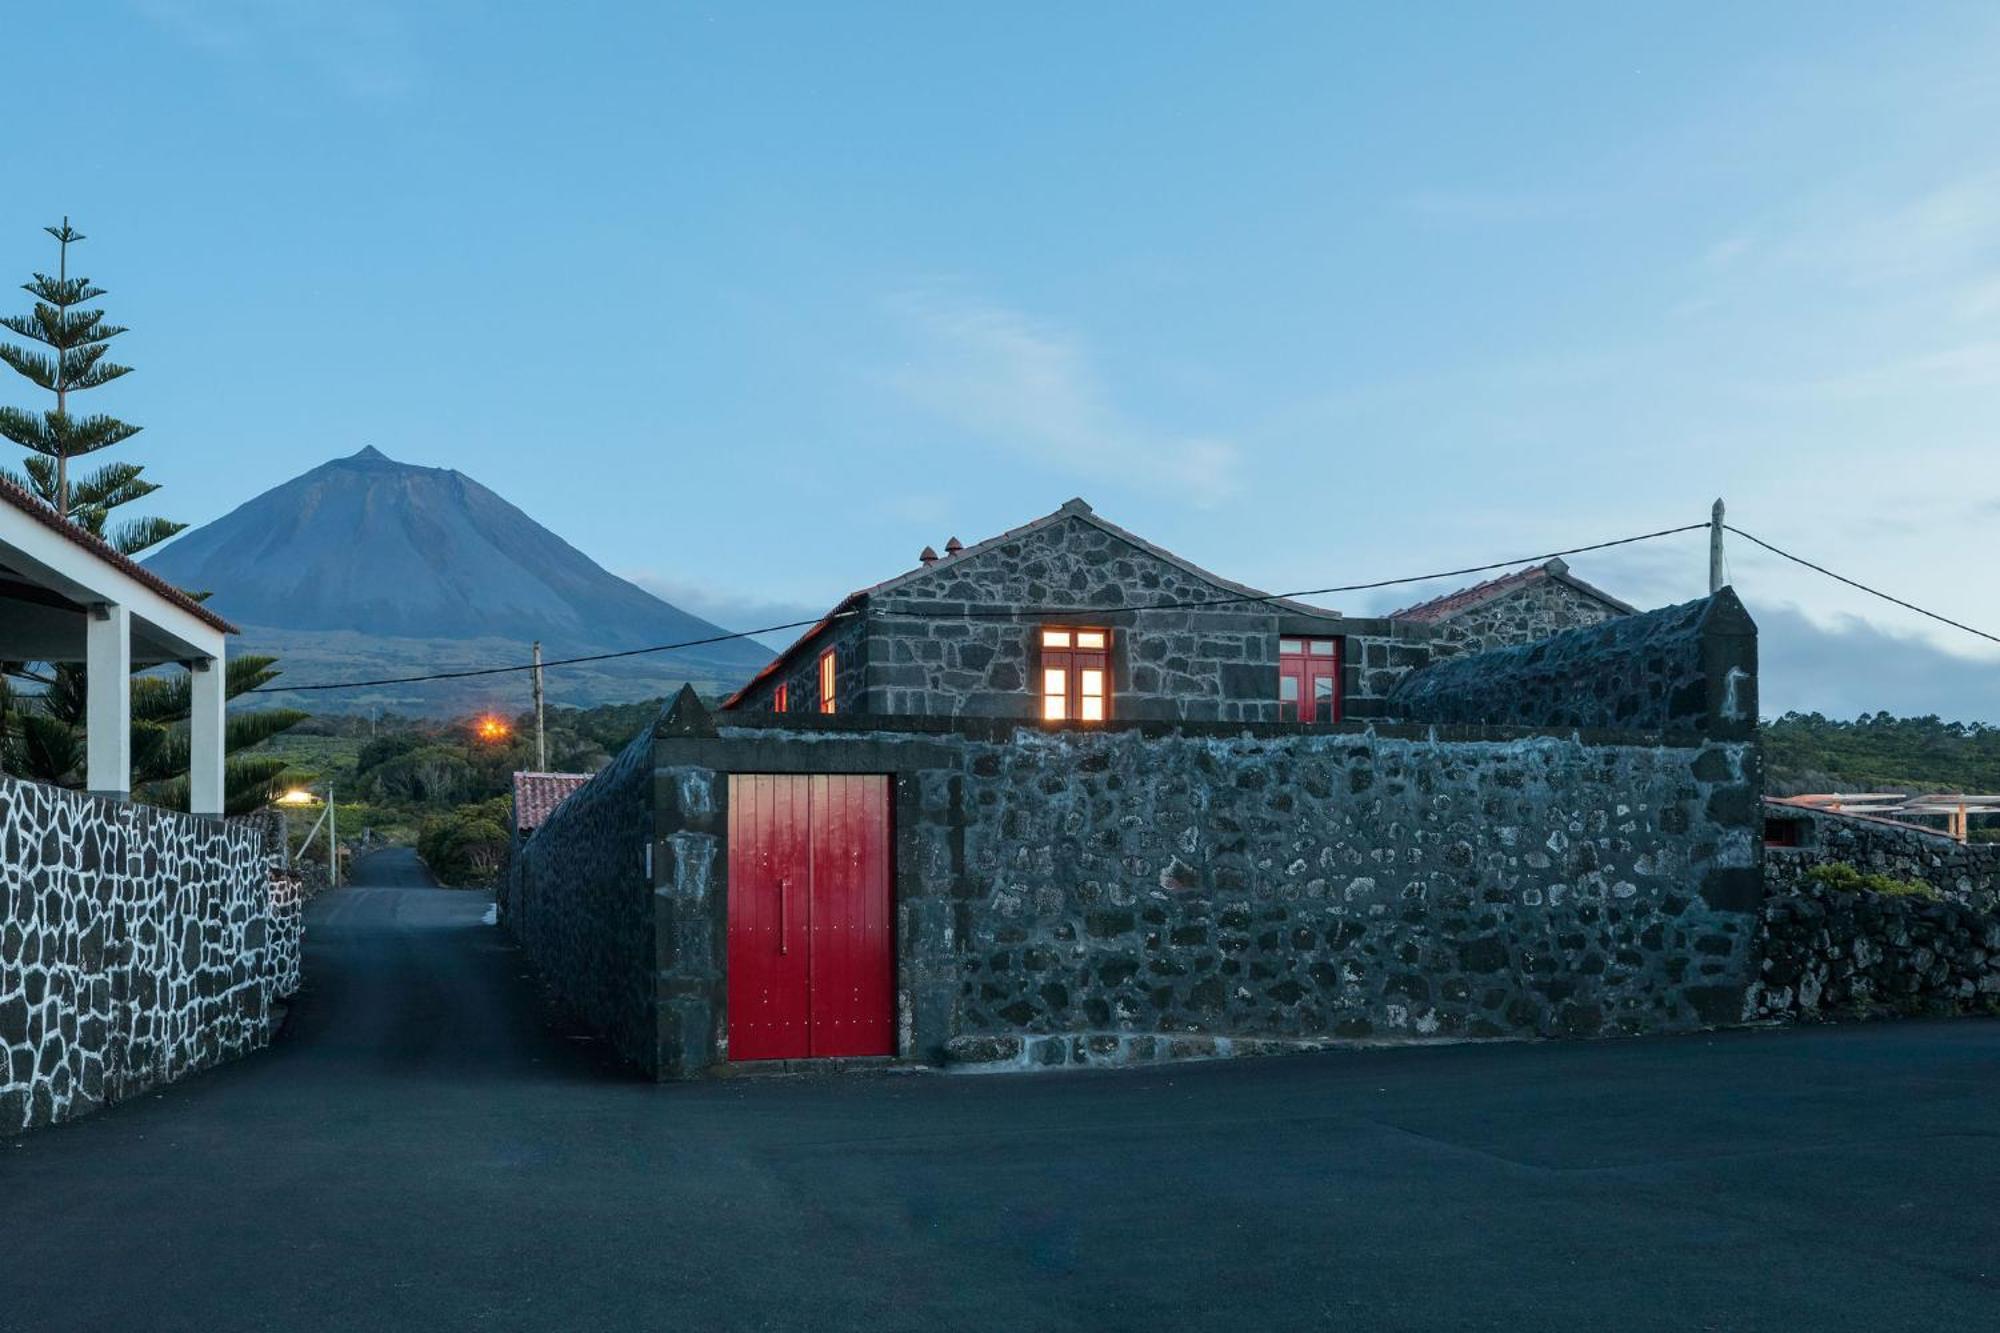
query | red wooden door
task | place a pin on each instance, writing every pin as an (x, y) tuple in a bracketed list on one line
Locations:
[(769, 879), (853, 1002), (811, 945)]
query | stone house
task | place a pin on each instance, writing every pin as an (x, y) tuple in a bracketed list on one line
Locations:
[(1064, 797), (1521, 607), (1071, 618)]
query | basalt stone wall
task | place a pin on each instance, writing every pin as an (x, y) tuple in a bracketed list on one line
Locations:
[(1152, 890), (1691, 667), (580, 903), (848, 639), (137, 946), (1325, 885), (1964, 873), (1530, 613), (1834, 953)]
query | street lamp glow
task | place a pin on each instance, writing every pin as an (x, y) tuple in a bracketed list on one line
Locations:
[(298, 796), (491, 729)]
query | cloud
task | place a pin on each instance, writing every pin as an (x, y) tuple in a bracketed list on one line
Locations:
[(1848, 667), (1033, 389), (361, 47)]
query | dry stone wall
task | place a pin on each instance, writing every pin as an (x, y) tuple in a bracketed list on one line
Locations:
[(136, 946), (1965, 873), (1829, 953)]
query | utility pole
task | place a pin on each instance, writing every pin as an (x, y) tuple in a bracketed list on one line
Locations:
[(1716, 580), (541, 732), (332, 841)]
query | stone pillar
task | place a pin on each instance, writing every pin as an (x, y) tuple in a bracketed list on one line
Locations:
[(206, 726), (108, 711)]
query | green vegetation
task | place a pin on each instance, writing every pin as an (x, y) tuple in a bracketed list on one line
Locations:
[(1847, 879), (467, 845), (1877, 752), (1804, 752), (443, 787)]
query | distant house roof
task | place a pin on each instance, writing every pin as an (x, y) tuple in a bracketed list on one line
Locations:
[(31, 505), (536, 796), (1076, 508), (1457, 603)]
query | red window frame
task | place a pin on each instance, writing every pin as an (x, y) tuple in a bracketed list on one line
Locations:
[(827, 679), (1072, 681), (781, 697), (1308, 678)]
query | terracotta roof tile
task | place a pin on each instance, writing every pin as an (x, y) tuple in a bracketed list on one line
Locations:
[(32, 506), (536, 796), (1452, 603)]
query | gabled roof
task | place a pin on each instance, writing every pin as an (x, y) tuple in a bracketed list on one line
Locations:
[(31, 505), (1479, 594), (536, 796), (1076, 508)]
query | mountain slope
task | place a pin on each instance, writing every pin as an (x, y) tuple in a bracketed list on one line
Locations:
[(366, 566)]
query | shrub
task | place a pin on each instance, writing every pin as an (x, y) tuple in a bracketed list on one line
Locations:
[(1839, 875), (468, 845)]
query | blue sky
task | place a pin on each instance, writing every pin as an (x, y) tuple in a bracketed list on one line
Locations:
[(751, 302)]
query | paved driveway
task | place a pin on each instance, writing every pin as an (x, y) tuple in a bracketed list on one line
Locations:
[(420, 1150)]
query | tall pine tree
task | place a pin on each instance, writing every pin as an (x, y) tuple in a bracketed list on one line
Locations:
[(42, 734), (76, 342)]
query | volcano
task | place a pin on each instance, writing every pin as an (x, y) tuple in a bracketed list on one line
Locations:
[(366, 567)]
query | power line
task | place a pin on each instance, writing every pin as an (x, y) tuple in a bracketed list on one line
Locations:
[(1011, 613), (1873, 592), (530, 666)]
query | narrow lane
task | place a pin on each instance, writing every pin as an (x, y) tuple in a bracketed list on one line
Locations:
[(421, 1149)]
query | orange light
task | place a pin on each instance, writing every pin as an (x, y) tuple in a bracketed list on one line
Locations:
[(490, 728)]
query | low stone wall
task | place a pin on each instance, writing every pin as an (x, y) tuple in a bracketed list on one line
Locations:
[(1965, 873), (1353, 886), (1149, 891), (1835, 953), (578, 898), (137, 946)]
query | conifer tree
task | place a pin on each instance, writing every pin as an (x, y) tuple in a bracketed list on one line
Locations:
[(42, 735), (76, 342)]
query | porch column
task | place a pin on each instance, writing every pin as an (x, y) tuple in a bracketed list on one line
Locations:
[(205, 731), (107, 664)]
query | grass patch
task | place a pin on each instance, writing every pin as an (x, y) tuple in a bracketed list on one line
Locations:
[(1839, 875)]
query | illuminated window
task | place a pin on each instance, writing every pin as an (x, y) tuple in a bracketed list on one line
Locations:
[(781, 698), (1076, 675), (826, 681), (1308, 680)]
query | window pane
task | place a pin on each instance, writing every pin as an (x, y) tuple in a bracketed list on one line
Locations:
[(1055, 681), (1052, 707), (1055, 638), (1288, 689), (1093, 708), (1092, 684), (1322, 647), (1090, 638), (1322, 687), (1291, 646)]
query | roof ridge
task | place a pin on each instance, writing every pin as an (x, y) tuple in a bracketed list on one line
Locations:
[(36, 508)]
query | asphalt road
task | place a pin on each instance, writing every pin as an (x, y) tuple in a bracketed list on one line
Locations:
[(420, 1150)]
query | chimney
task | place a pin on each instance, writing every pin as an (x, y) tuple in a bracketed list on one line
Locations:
[(953, 547), (929, 557)]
